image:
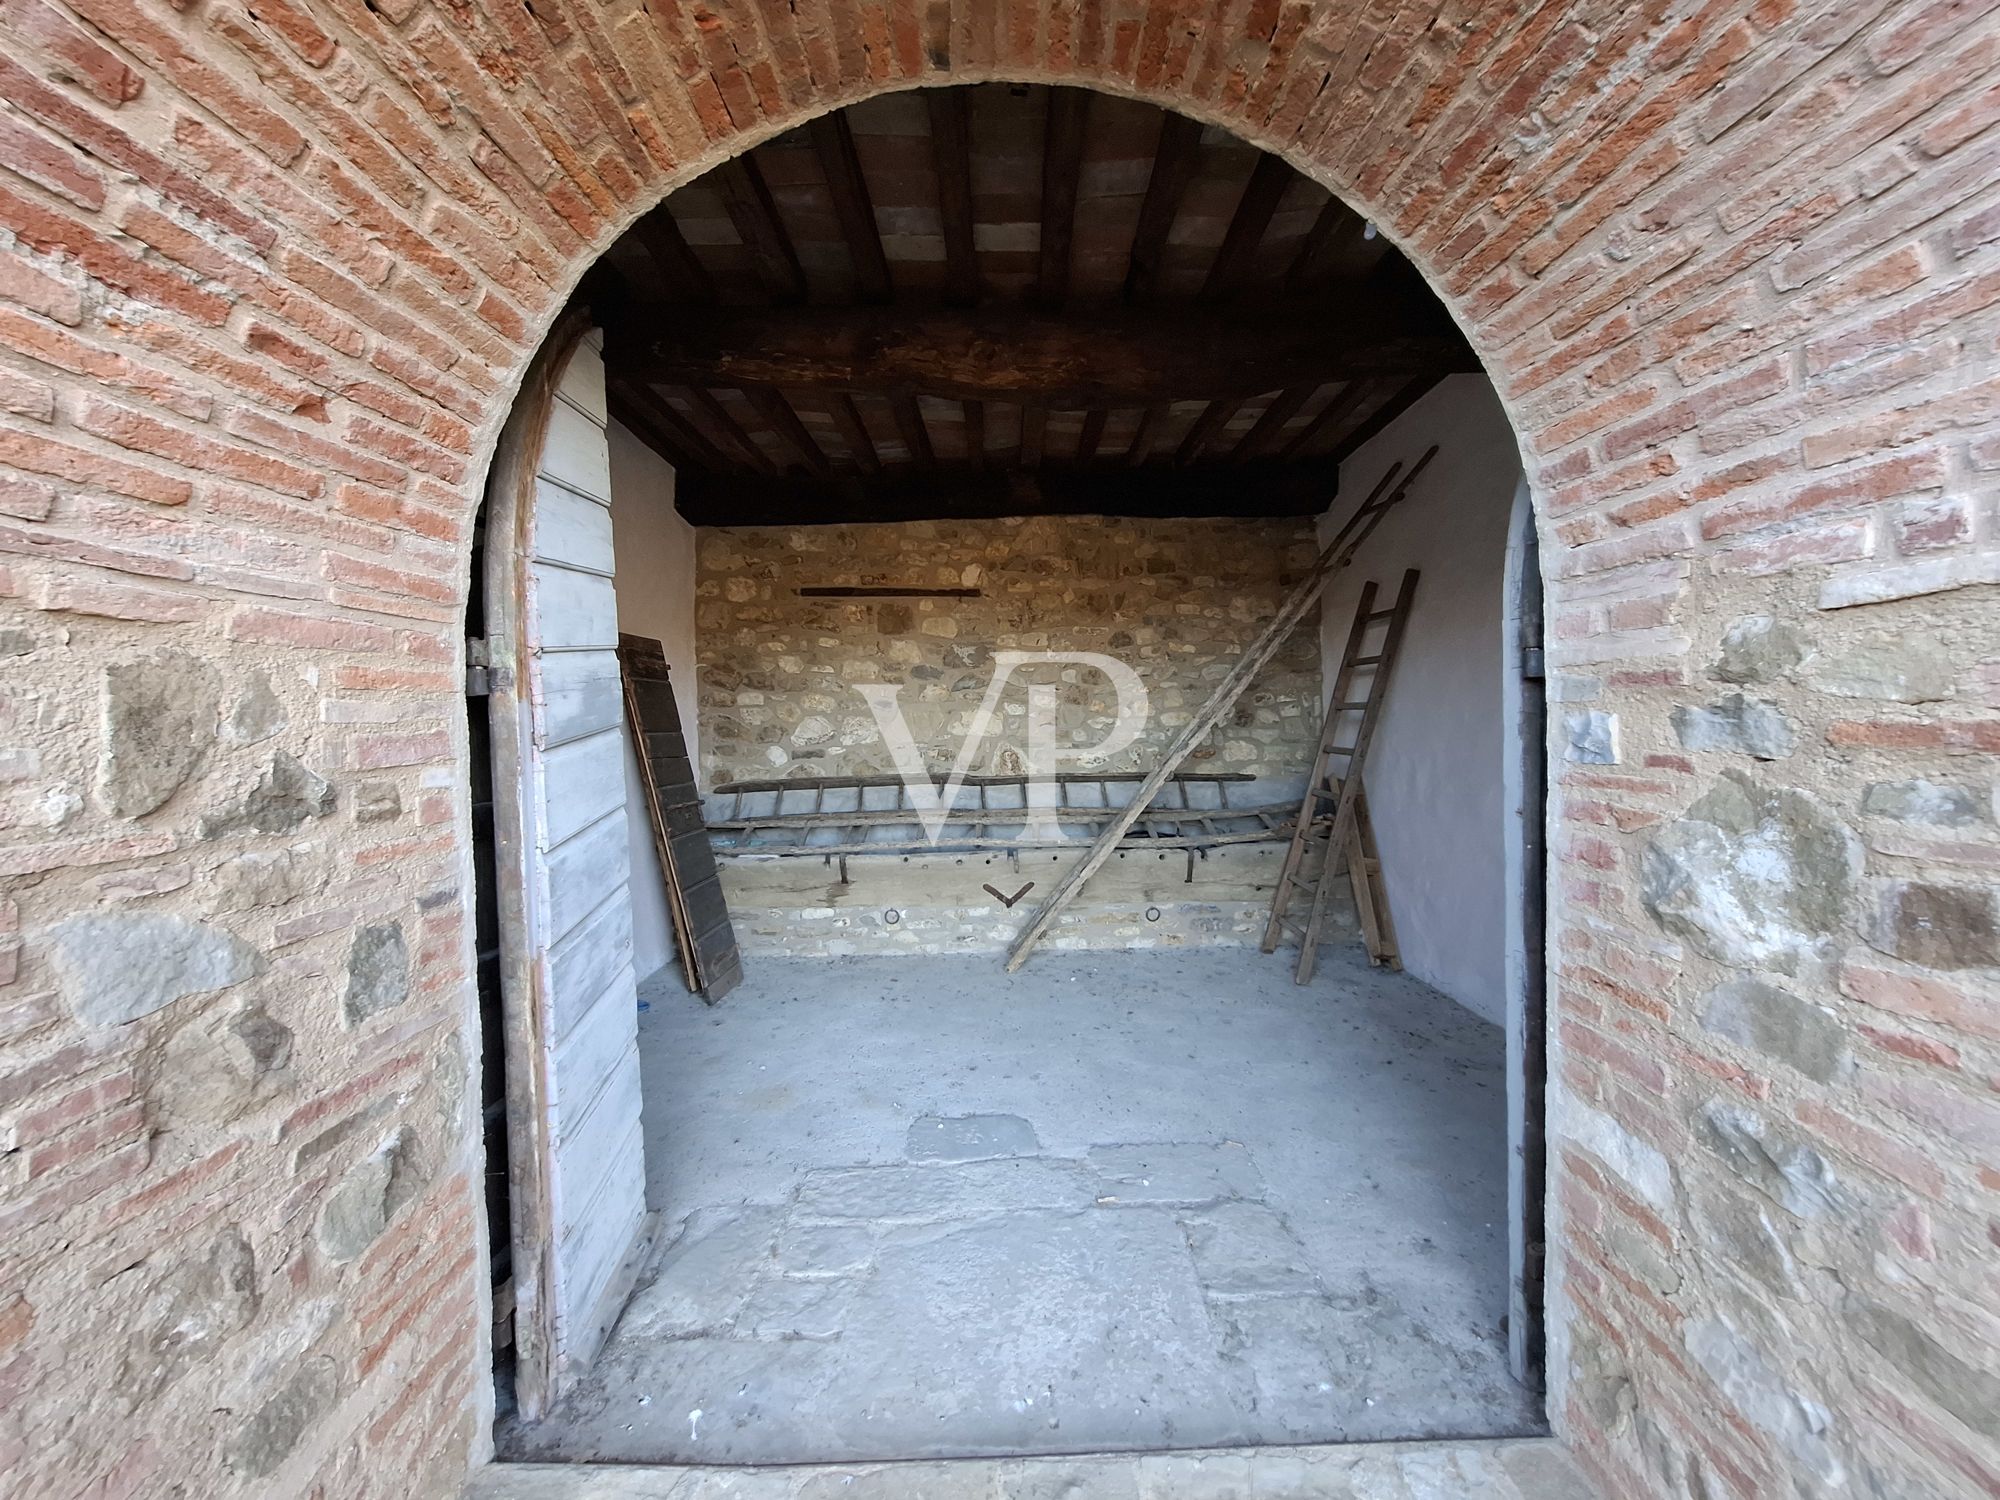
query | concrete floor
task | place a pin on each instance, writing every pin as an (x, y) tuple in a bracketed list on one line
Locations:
[(1151, 1200)]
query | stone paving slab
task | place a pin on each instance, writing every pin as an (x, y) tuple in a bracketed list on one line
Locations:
[(1184, 1173), (1504, 1469), (904, 1194)]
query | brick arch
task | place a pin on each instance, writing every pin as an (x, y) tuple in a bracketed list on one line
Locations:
[(274, 275)]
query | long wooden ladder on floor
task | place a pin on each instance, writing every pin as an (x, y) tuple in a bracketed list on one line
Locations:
[(1343, 831)]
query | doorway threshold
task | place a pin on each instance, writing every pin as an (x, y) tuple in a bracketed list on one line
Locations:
[(1487, 1469)]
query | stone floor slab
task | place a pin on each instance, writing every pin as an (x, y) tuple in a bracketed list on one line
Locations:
[(1187, 1174), (1248, 1250), (971, 1137), (943, 1190)]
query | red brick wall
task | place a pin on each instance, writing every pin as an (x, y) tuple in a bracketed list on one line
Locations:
[(273, 271)]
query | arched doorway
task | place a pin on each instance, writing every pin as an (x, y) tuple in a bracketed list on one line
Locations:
[(1102, 371), (1728, 267)]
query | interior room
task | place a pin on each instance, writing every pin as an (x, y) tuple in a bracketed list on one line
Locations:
[(949, 456)]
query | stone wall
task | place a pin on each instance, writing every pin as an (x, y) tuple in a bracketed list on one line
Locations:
[(267, 284), (1176, 600)]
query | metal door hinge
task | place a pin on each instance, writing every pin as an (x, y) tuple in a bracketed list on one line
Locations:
[(478, 669)]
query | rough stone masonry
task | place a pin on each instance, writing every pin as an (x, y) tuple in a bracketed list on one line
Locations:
[(1176, 601), (269, 278)]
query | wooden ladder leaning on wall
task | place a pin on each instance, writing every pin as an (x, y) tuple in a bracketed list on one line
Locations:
[(1344, 832)]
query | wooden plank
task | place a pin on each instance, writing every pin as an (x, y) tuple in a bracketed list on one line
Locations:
[(702, 931), (1173, 167), (577, 610), (951, 154), (1306, 594), (1062, 164)]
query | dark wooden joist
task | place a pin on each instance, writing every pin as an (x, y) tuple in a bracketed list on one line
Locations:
[(686, 278), (669, 433), (1092, 436), (854, 432), (1173, 166), (1327, 421), (1034, 433), (778, 414), (951, 154), (833, 141), (755, 214), (1406, 396), (1151, 419), (723, 430), (1261, 489), (1233, 258), (1120, 356), (975, 431), (1207, 428), (1263, 436), (1062, 165), (910, 424)]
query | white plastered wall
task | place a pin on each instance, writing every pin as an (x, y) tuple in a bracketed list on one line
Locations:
[(655, 585), (1442, 777)]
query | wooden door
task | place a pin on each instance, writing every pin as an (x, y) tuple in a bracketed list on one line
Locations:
[(580, 1221)]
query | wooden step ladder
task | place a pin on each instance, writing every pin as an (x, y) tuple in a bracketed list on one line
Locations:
[(1344, 830)]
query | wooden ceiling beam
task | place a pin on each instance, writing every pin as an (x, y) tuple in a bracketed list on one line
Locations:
[(1173, 167), (1062, 165), (854, 432), (1034, 433), (910, 423), (772, 406), (668, 432), (686, 278), (975, 431), (1337, 243), (951, 154), (1092, 437), (754, 212), (1406, 396), (1207, 428), (1261, 489), (1270, 425), (833, 140), (1328, 420), (723, 430), (1150, 422), (1231, 267), (1115, 357)]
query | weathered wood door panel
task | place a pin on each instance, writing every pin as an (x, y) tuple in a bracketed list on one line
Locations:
[(572, 1000)]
